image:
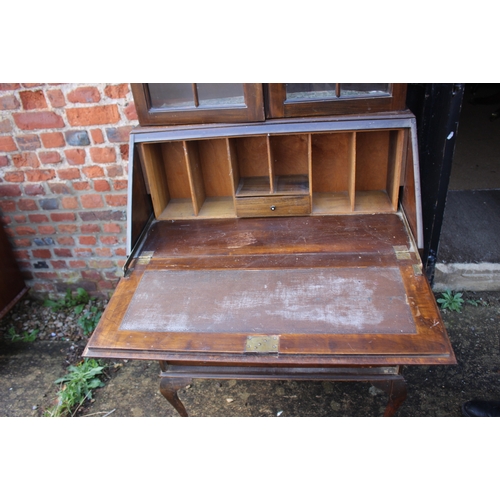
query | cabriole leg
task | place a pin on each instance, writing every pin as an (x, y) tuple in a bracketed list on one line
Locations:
[(396, 390)]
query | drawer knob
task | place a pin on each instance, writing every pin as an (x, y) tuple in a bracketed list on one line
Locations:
[(273, 207)]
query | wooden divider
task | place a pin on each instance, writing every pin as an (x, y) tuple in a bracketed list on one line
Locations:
[(339, 172)]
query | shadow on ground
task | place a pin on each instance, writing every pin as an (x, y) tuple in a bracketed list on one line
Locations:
[(28, 372)]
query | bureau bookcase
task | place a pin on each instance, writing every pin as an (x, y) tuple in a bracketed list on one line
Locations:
[(280, 249)]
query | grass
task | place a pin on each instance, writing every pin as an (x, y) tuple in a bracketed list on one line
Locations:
[(13, 336), (76, 387)]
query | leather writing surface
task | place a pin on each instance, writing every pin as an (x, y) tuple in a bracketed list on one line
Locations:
[(271, 301)]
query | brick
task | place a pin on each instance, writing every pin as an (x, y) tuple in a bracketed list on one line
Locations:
[(53, 139), (25, 231), (114, 171), (41, 264), (103, 252), (46, 276), (35, 120), (7, 144), (63, 217), (9, 86), (66, 241), (20, 219), (77, 137), (118, 134), (117, 91), (28, 142), (49, 204), (7, 206), (100, 185), (112, 228), (10, 190), (21, 254), (5, 126), (14, 177), (87, 240), (34, 189), (124, 152), (116, 200), (40, 175), (8, 102), (91, 201), (68, 173), (67, 228), (83, 252), (59, 188), (103, 215), (92, 172), (49, 157), (44, 288), (46, 229), (4, 161), (56, 98), (37, 218), (77, 264), (109, 240), (43, 241), (96, 115), (103, 155), (26, 204), (22, 242), (31, 85), (120, 184), (90, 228), (33, 99), (26, 160), (75, 156), (42, 253), (101, 264), (69, 203), (84, 95), (63, 252), (91, 275), (122, 252), (59, 264), (131, 112), (97, 136), (81, 186)]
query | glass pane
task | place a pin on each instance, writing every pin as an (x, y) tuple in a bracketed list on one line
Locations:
[(220, 94), (364, 89), (171, 95), (310, 91)]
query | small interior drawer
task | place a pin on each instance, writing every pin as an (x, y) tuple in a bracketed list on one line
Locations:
[(273, 206)]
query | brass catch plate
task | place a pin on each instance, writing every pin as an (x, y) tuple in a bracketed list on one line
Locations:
[(262, 343), (402, 253)]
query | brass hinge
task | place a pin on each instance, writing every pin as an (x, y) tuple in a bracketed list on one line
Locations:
[(262, 344), (144, 258)]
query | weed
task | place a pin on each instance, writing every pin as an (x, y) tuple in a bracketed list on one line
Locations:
[(78, 302), (88, 321), (451, 301), (13, 336), (76, 387)]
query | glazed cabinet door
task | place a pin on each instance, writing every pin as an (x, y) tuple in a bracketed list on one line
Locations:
[(192, 103), (287, 100)]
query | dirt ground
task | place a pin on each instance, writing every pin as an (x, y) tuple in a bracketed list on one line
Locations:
[(28, 372)]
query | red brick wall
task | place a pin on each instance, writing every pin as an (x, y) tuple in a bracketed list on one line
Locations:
[(63, 181)]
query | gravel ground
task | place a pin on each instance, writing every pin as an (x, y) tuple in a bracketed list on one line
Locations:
[(28, 371)]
